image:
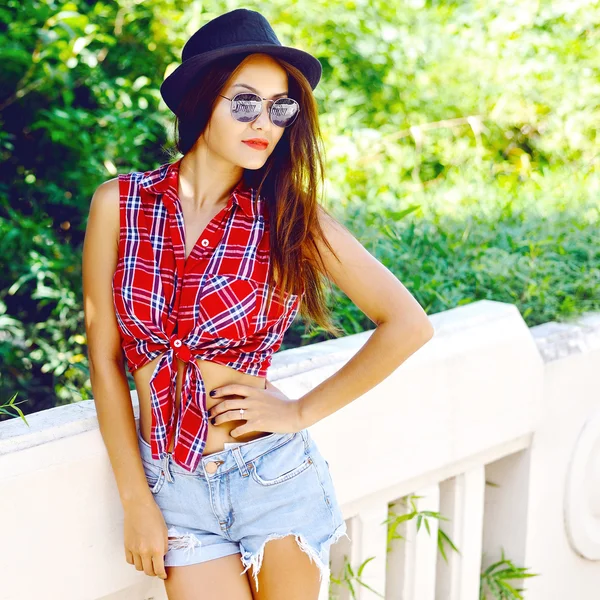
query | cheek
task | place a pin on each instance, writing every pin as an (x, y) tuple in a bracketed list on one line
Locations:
[(223, 130)]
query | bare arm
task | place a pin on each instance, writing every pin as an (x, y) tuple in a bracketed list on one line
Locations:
[(144, 528), (402, 325), (107, 370)]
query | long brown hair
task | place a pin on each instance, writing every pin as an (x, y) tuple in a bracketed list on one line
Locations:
[(288, 181)]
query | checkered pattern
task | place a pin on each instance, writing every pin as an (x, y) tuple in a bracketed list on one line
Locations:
[(210, 306)]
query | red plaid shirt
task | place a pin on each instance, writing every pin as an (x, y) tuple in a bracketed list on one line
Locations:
[(212, 305)]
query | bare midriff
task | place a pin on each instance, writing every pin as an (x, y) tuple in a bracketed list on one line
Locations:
[(214, 376)]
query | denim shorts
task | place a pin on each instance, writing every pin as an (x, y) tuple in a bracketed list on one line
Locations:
[(239, 498)]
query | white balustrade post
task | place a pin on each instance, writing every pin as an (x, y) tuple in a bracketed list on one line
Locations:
[(411, 567), (462, 500), (344, 550), (369, 536)]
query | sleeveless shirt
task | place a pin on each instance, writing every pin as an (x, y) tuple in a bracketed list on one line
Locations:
[(216, 305)]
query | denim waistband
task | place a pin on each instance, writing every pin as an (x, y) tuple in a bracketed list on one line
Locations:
[(229, 458)]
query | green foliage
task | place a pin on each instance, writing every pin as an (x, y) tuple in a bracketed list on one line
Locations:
[(11, 405), (351, 579), (460, 136), (495, 580), (422, 517)]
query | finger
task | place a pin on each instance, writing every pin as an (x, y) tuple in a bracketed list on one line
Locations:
[(225, 405), (148, 565), (137, 560), (233, 414), (159, 566), (239, 431), (233, 389)]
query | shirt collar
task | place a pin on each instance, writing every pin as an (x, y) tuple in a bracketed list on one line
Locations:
[(165, 177)]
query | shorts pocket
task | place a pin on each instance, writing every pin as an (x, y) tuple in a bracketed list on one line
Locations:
[(155, 476), (282, 464)]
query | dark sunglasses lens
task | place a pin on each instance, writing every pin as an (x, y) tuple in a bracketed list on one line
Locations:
[(247, 107), (284, 111)]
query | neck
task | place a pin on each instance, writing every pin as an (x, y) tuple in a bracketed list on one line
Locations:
[(205, 181)]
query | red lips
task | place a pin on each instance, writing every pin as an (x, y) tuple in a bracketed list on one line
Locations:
[(258, 144)]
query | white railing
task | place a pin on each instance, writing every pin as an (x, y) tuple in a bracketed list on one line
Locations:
[(487, 399)]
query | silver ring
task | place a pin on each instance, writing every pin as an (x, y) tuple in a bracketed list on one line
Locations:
[(242, 412)]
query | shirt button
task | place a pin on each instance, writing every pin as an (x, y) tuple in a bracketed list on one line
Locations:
[(177, 343), (205, 242)]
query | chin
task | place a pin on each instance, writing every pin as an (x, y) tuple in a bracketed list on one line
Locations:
[(253, 165)]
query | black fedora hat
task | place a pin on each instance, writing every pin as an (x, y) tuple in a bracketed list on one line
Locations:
[(240, 31)]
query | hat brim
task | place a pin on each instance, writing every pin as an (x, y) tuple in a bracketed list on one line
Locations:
[(176, 84)]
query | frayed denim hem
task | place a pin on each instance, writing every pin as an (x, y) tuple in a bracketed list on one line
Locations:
[(249, 560)]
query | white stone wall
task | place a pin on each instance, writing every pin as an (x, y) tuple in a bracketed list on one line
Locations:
[(486, 399)]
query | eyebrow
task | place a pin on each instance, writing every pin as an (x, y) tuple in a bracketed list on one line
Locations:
[(256, 91)]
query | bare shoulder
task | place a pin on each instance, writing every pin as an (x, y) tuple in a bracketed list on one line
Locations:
[(107, 193), (104, 209), (367, 282), (334, 233), (328, 223), (337, 242)]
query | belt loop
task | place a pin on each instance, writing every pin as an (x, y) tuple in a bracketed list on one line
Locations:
[(306, 438), (166, 467), (237, 455)]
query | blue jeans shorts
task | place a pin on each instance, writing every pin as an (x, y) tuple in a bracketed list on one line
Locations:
[(245, 495)]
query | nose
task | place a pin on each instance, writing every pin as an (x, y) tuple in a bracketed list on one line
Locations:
[(263, 120)]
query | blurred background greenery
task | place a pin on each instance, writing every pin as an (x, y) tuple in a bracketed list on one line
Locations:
[(462, 151)]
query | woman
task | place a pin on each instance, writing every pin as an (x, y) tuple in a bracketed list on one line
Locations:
[(195, 270)]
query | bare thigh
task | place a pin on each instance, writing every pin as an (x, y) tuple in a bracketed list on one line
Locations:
[(217, 579), (286, 572)]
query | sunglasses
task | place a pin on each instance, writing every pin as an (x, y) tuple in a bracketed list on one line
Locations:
[(247, 107)]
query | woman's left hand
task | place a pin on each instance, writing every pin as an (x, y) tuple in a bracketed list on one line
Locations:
[(266, 410)]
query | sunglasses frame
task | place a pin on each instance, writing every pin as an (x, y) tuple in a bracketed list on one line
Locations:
[(261, 108)]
